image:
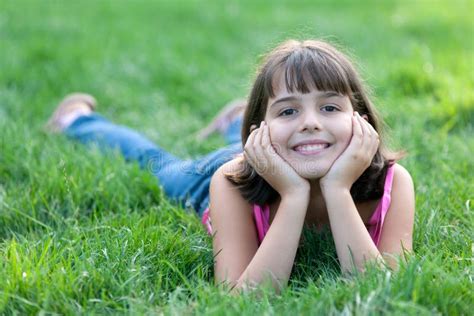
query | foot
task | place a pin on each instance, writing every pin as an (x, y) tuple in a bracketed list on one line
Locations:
[(223, 119), (69, 109)]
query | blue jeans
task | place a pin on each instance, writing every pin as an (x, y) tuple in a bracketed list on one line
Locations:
[(184, 181)]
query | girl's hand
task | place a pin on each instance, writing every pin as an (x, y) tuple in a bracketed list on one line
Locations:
[(262, 156), (355, 159)]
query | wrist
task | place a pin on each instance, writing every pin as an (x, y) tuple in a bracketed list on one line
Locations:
[(300, 194), (330, 188), (294, 204)]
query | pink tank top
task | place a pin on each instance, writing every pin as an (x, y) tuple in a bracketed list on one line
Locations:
[(374, 226)]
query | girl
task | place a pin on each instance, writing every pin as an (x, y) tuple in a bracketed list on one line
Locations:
[(312, 155), (315, 158)]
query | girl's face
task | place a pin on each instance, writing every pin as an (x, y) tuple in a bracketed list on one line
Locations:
[(311, 130)]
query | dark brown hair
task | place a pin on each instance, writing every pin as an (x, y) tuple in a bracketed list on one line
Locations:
[(308, 64)]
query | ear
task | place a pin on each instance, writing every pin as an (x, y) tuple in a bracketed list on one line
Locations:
[(365, 117)]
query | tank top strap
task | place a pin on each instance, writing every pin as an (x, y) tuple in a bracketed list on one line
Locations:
[(206, 221), (261, 216), (378, 218), (387, 194), (389, 180), (262, 219)]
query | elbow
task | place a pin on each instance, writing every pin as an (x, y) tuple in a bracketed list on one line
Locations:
[(234, 287), (394, 261), (246, 285), (356, 267)]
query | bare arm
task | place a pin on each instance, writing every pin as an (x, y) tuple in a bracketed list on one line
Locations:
[(354, 246), (353, 242), (234, 237), (397, 232), (275, 256), (239, 260)]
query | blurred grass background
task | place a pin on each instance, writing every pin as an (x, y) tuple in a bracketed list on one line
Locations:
[(86, 233)]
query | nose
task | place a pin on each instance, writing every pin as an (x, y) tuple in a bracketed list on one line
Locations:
[(311, 122)]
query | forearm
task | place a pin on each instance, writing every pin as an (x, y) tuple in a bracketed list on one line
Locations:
[(352, 240), (274, 258)]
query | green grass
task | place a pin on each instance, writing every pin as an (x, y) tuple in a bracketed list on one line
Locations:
[(81, 232)]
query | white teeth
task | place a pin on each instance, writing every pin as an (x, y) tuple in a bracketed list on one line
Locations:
[(313, 147)]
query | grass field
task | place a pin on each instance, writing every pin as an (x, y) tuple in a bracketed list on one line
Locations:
[(81, 232)]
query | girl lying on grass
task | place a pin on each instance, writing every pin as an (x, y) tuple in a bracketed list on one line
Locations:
[(309, 154)]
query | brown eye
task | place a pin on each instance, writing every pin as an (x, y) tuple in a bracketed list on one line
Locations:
[(329, 108), (287, 112)]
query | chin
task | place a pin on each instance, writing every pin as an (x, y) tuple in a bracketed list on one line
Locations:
[(311, 171), (311, 167)]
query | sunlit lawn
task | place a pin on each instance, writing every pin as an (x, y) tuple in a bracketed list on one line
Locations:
[(83, 232)]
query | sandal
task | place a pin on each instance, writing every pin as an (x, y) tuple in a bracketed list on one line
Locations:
[(71, 107), (223, 119)]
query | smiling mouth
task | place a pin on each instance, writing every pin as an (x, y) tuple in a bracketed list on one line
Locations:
[(311, 149)]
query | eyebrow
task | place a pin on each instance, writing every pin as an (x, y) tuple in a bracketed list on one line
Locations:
[(325, 94)]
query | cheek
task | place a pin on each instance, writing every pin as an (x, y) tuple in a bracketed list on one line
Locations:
[(345, 131), (276, 135)]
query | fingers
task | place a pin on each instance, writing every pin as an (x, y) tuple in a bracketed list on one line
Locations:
[(370, 137), (356, 126), (261, 149), (266, 141), (249, 153), (372, 134), (363, 127), (254, 151), (259, 136), (269, 151)]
